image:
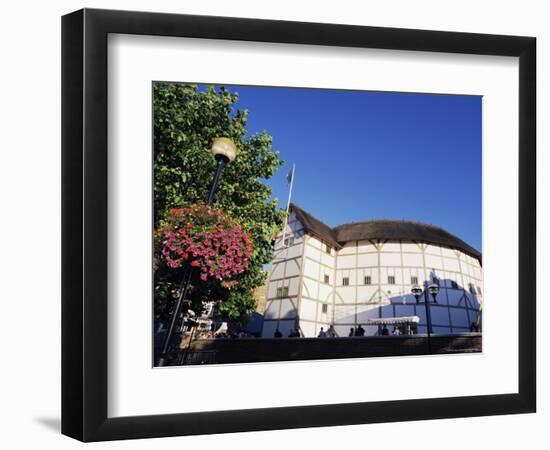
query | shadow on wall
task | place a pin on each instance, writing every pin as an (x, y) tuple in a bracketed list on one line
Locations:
[(457, 308)]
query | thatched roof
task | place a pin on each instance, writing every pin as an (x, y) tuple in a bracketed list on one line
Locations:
[(315, 226), (385, 230)]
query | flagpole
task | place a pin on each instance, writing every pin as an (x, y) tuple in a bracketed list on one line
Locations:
[(288, 201)]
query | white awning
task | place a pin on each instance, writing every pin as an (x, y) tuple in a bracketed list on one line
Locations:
[(393, 320)]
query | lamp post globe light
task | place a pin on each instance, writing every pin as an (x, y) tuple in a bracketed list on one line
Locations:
[(224, 151), (433, 290), (225, 148), (416, 291)]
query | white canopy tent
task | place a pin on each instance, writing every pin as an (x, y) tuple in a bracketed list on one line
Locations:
[(394, 320)]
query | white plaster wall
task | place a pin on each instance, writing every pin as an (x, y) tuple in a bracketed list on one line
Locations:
[(308, 310), (285, 271), (327, 259), (325, 292), (311, 269), (302, 268), (315, 292), (356, 302)]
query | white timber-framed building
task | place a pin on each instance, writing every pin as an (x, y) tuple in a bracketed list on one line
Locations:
[(346, 275)]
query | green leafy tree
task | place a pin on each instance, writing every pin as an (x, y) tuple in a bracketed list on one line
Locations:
[(185, 122)]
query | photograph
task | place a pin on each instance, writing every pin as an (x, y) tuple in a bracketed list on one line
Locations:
[(275, 225), (307, 224)]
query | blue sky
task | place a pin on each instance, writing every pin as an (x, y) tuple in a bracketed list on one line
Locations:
[(375, 155)]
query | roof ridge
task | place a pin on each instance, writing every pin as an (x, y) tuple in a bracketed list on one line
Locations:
[(309, 214), (341, 233), (416, 222)]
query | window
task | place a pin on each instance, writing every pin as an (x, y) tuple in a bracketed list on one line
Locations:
[(454, 284), (391, 279), (478, 290), (327, 249), (368, 279), (472, 289), (289, 241), (327, 279), (325, 308), (414, 280), (345, 281), (282, 292)]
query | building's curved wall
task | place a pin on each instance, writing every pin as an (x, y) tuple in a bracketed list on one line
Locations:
[(313, 286), (393, 268)]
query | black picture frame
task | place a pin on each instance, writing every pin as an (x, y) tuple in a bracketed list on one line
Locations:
[(84, 224)]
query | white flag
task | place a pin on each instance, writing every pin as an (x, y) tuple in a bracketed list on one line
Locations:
[(290, 175)]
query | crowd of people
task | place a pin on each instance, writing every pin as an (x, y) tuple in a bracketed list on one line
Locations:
[(225, 335), (294, 333), (384, 331), (359, 331), (330, 332)]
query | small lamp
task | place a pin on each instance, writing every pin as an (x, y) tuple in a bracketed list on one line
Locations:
[(416, 291), (433, 289), (224, 148)]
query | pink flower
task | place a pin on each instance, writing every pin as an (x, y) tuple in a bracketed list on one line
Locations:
[(218, 246)]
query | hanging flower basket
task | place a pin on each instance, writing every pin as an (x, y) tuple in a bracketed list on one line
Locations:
[(207, 239)]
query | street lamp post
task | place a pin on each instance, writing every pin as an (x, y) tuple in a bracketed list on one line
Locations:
[(433, 290), (224, 151)]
